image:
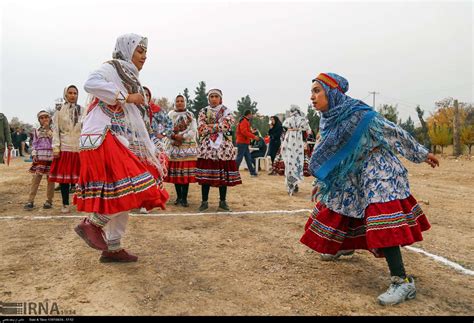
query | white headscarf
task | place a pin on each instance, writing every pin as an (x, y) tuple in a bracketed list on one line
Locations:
[(72, 107), (125, 76)]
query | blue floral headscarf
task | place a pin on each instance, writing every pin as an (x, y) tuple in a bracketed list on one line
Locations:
[(343, 128)]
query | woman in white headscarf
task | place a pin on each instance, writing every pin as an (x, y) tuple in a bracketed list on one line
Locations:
[(292, 148), (216, 164), (182, 151), (66, 131), (114, 140)]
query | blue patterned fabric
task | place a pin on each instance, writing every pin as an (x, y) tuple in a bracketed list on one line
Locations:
[(355, 163), (381, 176), (342, 126)]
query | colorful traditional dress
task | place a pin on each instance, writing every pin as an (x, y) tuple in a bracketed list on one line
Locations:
[(365, 199), (66, 132), (216, 154), (182, 155), (114, 140)]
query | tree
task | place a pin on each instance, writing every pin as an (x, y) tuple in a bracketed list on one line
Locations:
[(260, 122), (189, 102), (163, 103), (313, 118), (467, 136), (409, 126), (390, 112), (200, 99), (440, 136), (423, 135), (245, 103)]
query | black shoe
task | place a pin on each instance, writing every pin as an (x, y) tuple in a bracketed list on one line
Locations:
[(184, 203), (223, 205), (204, 206), (296, 189), (47, 205), (178, 201), (28, 206)]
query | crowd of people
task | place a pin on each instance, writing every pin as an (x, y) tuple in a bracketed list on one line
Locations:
[(121, 148)]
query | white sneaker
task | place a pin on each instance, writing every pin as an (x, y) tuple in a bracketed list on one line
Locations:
[(65, 209), (143, 211), (329, 257), (399, 291)]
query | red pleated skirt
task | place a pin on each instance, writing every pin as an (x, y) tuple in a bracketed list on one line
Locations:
[(66, 168), (112, 180), (181, 172), (217, 172), (394, 223)]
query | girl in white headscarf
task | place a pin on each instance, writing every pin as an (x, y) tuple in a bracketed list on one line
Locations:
[(114, 139), (66, 131), (292, 148), (182, 151), (216, 164)]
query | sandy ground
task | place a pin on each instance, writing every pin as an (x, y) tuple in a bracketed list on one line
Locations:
[(234, 264)]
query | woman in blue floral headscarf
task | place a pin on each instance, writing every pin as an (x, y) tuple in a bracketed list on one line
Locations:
[(362, 187)]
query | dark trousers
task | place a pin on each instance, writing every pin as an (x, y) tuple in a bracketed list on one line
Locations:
[(243, 151), (65, 192), (205, 192), (394, 259)]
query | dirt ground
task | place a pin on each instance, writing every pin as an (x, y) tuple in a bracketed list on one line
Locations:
[(249, 264)]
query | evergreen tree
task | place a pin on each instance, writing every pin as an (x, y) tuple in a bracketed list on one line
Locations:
[(243, 104), (409, 126), (389, 112), (200, 99), (187, 98)]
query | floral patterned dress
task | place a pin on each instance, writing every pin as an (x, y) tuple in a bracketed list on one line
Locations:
[(216, 154)]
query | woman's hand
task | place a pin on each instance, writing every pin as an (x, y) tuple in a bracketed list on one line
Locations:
[(432, 160), (135, 98), (57, 154)]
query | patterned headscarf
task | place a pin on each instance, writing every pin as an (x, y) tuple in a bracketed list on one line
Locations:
[(342, 127), (214, 91), (122, 60), (74, 108)]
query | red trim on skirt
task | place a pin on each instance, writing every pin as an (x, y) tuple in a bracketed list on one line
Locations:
[(217, 172), (40, 167), (66, 168), (113, 180), (181, 172), (394, 223)]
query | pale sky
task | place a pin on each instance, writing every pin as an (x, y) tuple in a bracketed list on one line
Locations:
[(411, 52)]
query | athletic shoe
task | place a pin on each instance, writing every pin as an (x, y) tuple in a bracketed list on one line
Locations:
[(28, 206), (143, 211), (65, 209), (399, 291), (47, 205)]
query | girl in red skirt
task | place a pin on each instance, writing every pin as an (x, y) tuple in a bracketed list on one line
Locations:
[(216, 154), (182, 151), (66, 131), (113, 180), (42, 154), (364, 195)]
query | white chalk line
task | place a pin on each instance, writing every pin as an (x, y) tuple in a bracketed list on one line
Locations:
[(442, 260), (437, 258)]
